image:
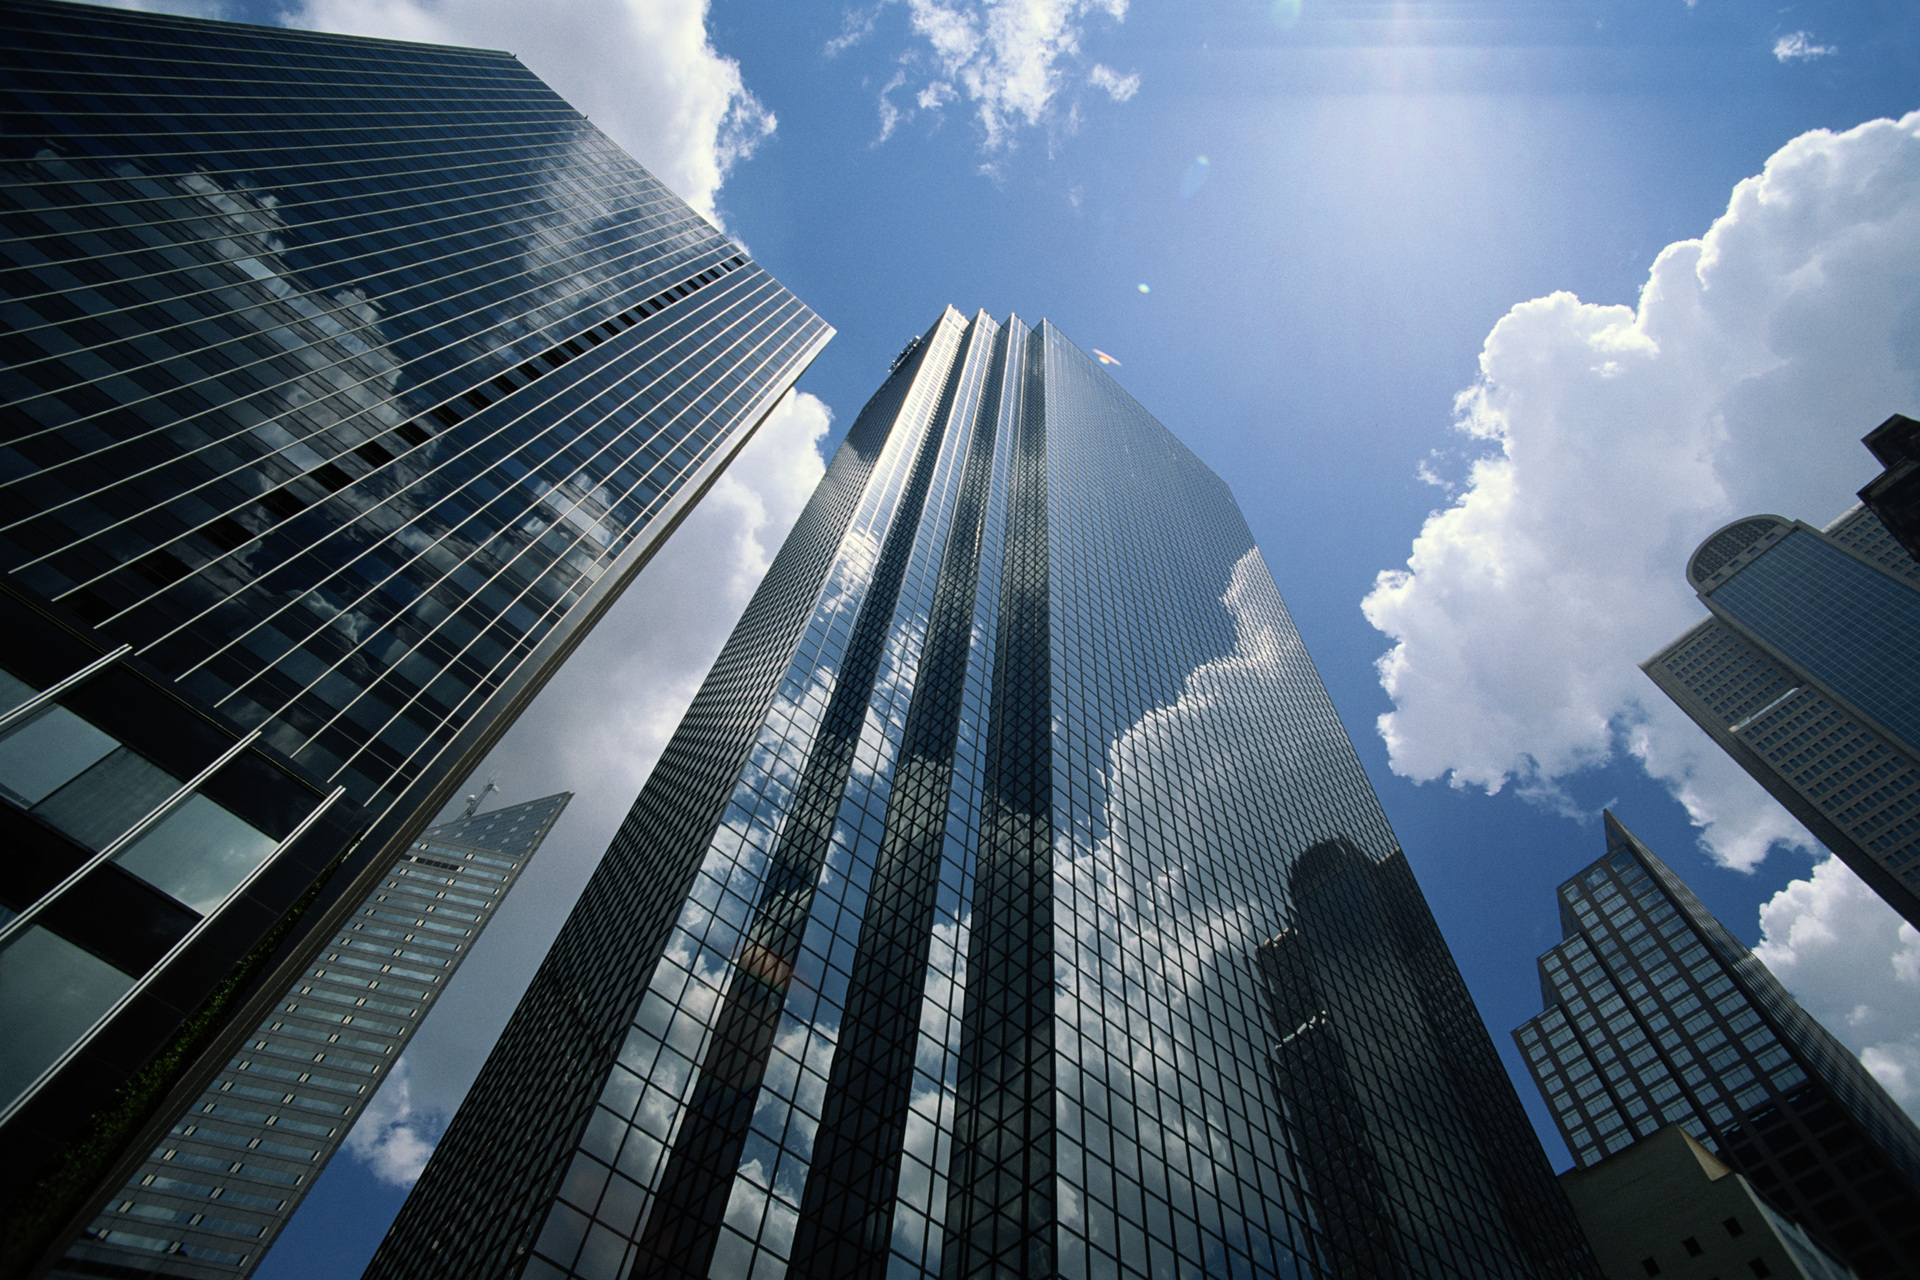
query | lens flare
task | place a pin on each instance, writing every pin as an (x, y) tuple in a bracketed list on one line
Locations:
[(1143, 289), (1194, 178), (1103, 356)]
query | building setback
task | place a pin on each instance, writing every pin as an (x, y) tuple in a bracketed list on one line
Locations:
[(934, 943), (1807, 672), (1666, 1207), (348, 382), (1656, 1015), (209, 1200)]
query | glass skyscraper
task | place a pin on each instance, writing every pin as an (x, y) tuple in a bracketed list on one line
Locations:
[(210, 1199), (963, 927), (348, 382), (1656, 1014), (1807, 673)]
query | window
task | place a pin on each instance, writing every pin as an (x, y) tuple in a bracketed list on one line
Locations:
[(1653, 1268), (1759, 1267), (1733, 1227), (1692, 1246)]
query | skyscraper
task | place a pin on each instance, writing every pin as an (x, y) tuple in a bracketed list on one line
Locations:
[(937, 941), (348, 382), (213, 1196), (1807, 672), (1894, 494), (1657, 1015)]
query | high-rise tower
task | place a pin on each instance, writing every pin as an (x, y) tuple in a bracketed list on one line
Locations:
[(1807, 672), (208, 1202), (963, 926), (347, 382), (1657, 1015)]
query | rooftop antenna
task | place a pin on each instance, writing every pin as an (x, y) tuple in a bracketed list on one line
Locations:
[(473, 801)]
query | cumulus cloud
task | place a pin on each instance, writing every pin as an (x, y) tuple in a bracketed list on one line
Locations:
[(1014, 61), (598, 727), (391, 1138), (1855, 965), (1799, 47), (1613, 439), (643, 70)]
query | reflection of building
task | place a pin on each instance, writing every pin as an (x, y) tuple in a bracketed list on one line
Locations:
[(1657, 1015), (348, 382), (1374, 1025), (1894, 494), (1666, 1207), (933, 943), (1808, 674), (284, 1104)]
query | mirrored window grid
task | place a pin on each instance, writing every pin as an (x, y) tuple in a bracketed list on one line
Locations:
[(933, 945), (340, 372), (1657, 1015), (211, 1198)]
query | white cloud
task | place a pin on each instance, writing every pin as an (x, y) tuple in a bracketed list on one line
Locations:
[(1800, 47), (1855, 965), (1615, 438), (1013, 60), (391, 1138), (597, 729), (643, 70)]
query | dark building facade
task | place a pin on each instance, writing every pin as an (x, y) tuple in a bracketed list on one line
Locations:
[(1894, 494), (1657, 1015), (1807, 672), (208, 1202), (963, 926), (347, 382)]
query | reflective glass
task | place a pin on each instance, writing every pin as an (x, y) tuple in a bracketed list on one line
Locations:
[(106, 801), (197, 853), (48, 751), (50, 993)]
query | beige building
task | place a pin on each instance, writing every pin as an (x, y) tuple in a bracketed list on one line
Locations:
[(1666, 1207)]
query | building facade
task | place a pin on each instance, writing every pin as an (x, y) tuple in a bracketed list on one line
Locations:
[(209, 1201), (1894, 494), (934, 943), (1666, 1207), (1657, 1015), (1807, 672), (348, 382)]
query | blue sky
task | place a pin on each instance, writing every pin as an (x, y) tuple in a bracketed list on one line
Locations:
[(1385, 191)]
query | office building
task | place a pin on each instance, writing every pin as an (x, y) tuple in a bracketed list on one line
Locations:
[(934, 943), (1807, 672), (210, 1199), (1894, 494), (1666, 1207), (348, 382), (1656, 1015)]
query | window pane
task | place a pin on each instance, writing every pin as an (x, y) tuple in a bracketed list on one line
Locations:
[(103, 802), (13, 690), (49, 750), (198, 853), (50, 993)]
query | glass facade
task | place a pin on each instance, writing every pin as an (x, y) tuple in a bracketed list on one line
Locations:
[(1808, 674), (209, 1200), (348, 381), (960, 926), (1657, 1015)]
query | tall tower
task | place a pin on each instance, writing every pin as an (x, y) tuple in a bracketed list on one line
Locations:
[(348, 382), (208, 1202), (1807, 672), (1657, 1015), (936, 942)]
